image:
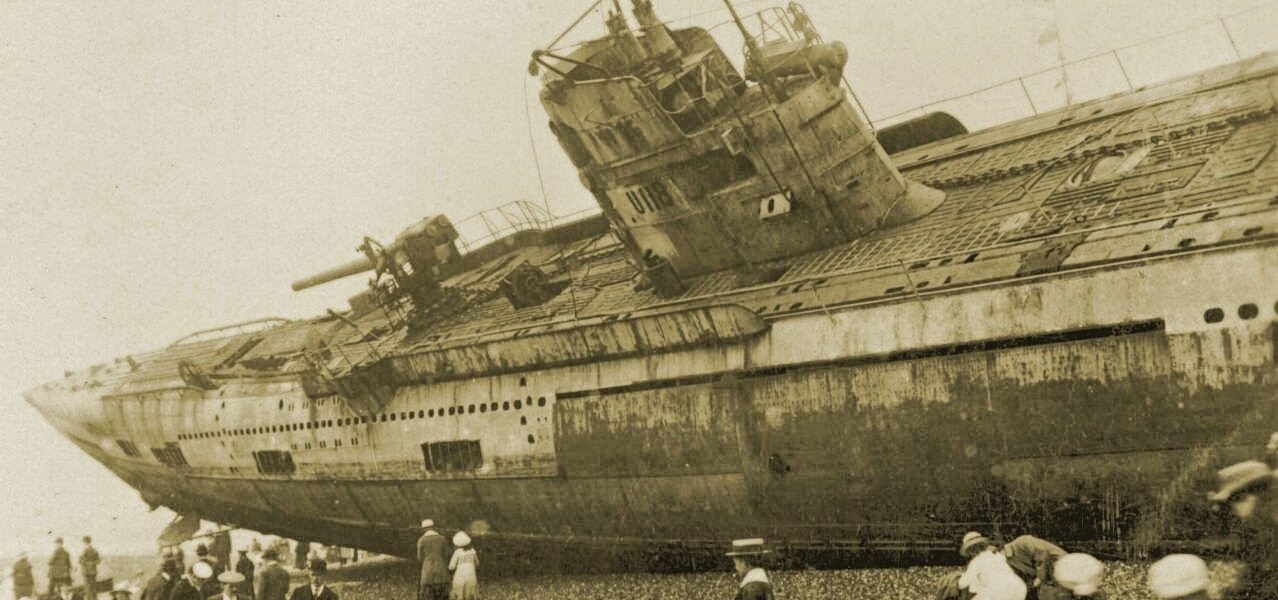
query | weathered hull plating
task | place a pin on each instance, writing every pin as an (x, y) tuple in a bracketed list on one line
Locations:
[(1090, 406)]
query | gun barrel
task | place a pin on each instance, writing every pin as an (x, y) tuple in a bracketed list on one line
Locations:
[(351, 268)]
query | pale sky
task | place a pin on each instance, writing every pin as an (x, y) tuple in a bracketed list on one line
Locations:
[(172, 166)]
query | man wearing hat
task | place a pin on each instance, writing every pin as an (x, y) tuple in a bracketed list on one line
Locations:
[(988, 576), (432, 551), (244, 566), (316, 572), (747, 559), (1032, 558), (271, 580), (89, 561), (1179, 577), (1248, 487), (231, 581), (59, 567), (160, 586), (190, 587)]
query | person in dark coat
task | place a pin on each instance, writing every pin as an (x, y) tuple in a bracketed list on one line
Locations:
[(59, 567), (301, 554), (190, 587), (23, 580), (432, 551), (89, 561), (747, 559), (315, 589), (245, 567), (271, 581), (160, 586), (1250, 490), (220, 548), (1032, 558)]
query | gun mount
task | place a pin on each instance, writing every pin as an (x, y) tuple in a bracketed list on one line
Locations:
[(411, 267)]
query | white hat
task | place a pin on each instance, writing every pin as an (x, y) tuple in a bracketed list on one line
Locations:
[(460, 539), (748, 547), (428, 523), (1177, 575), (230, 577), (1079, 573), (970, 539), (202, 570)]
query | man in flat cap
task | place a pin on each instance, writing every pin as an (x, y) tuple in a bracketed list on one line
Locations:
[(316, 575), (432, 551), (1248, 488), (747, 559)]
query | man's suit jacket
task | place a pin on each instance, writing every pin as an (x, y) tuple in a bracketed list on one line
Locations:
[(157, 588), (304, 593), (272, 582)]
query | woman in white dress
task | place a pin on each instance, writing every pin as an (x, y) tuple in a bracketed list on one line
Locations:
[(988, 576), (463, 563)]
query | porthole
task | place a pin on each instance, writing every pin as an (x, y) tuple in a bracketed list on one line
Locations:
[(523, 420), (451, 410), (518, 405), (505, 405), (523, 381), (1248, 311), (493, 406), (470, 409), (483, 408), (430, 413), (531, 439), (421, 414), (281, 404), (1214, 315), (541, 401)]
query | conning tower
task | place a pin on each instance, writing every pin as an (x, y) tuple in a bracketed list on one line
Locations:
[(700, 169)]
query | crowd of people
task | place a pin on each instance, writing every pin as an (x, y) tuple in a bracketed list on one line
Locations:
[(1026, 568), (1029, 568)]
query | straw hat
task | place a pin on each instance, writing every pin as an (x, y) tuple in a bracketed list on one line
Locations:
[(970, 539), (230, 577), (1238, 477), (1178, 575), (461, 540), (1079, 573), (202, 570), (748, 547), (428, 523)]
